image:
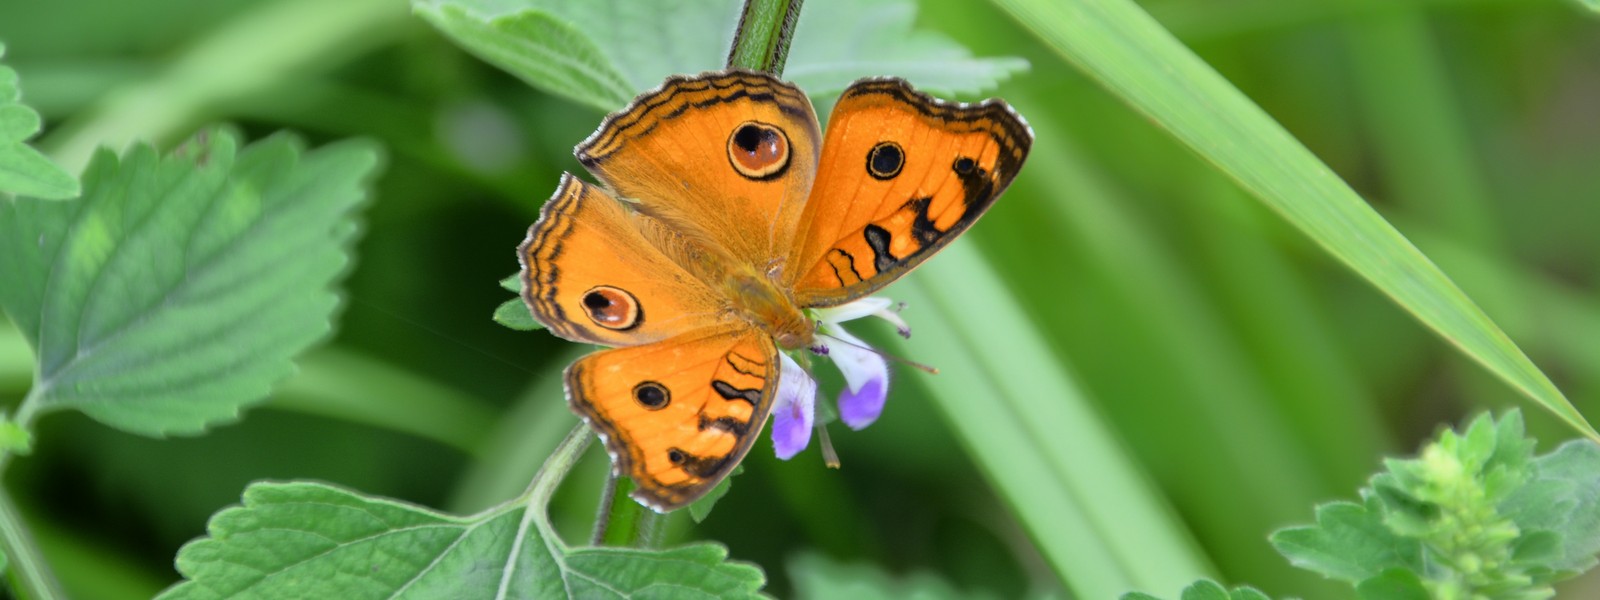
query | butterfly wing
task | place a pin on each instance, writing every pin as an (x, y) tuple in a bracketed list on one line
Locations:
[(724, 156), (591, 273), (677, 415), (902, 174)]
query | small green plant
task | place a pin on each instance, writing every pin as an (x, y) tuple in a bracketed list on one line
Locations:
[(1476, 516)]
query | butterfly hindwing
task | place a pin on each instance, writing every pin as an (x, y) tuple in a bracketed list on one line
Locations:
[(901, 175), (730, 155), (591, 274), (677, 415)]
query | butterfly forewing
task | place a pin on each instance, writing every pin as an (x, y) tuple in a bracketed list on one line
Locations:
[(731, 155), (901, 175), (677, 415)]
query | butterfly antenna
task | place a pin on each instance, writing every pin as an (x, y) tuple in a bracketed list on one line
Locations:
[(904, 361)]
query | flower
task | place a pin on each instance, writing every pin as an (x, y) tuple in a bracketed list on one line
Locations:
[(866, 376), (794, 409)]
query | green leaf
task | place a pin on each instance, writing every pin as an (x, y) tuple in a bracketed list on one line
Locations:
[(308, 540), (1563, 497), (817, 578), (177, 289), (604, 52), (538, 46), (839, 41), (1393, 584), (700, 509), (1118, 44), (1349, 542), (1207, 589), (23, 170), (514, 313)]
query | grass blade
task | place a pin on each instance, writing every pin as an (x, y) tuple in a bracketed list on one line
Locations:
[(1119, 45), (1090, 510)]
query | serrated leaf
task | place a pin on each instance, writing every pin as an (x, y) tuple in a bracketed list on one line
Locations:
[(604, 52), (536, 45), (23, 170), (700, 509), (514, 314), (177, 289), (1393, 584), (1563, 496), (1206, 589), (1349, 542), (309, 540)]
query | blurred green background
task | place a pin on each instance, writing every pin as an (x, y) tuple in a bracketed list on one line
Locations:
[(1196, 321)]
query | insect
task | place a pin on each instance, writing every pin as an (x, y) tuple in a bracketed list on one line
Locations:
[(724, 218)]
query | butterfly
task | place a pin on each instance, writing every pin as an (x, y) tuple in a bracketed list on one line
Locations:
[(723, 216)]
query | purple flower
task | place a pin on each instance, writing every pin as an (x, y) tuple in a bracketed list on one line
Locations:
[(794, 409), (866, 376)]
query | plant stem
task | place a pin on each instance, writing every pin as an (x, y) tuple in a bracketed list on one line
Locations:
[(29, 576), (556, 467), (623, 522), (762, 40), (603, 515)]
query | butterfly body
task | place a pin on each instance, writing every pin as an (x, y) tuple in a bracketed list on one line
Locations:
[(724, 217)]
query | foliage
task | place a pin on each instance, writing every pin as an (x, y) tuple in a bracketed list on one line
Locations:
[(1142, 372), (604, 53), (1476, 515), (23, 170), (326, 543), (1206, 590), (177, 289)]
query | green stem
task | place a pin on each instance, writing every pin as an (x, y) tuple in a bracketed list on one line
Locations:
[(762, 40), (623, 522), (556, 467), (603, 516), (29, 576)]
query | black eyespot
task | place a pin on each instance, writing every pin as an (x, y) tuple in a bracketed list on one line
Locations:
[(964, 165), (676, 456), (885, 160), (758, 151), (652, 395), (612, 308)]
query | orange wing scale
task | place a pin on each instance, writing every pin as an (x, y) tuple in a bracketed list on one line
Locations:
[(677, 415), (902, 174), (585, 240), (669, 150)]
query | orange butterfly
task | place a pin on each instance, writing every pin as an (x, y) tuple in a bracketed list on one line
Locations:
[(724, 229)]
